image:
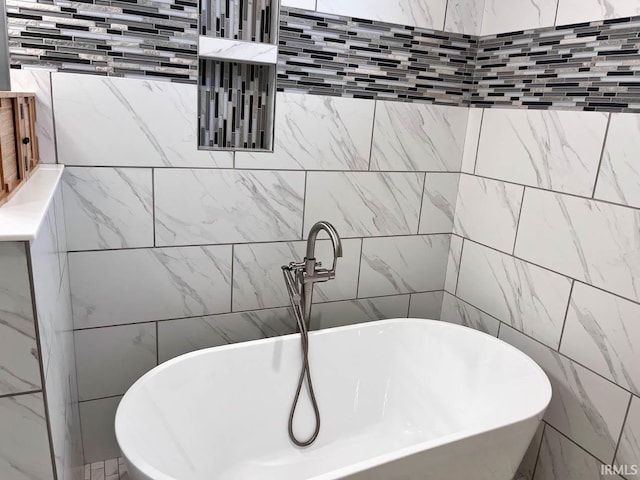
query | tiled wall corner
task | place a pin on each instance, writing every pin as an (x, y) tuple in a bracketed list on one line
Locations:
[(558, 279)]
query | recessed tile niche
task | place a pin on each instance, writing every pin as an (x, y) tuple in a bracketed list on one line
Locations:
[(237, 56)]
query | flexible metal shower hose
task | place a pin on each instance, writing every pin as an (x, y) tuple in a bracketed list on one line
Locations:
[(304, 372)]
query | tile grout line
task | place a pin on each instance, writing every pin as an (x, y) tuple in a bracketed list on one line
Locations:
[(373, 131), (566, 314), (304, 202), (475, 161), (459, 268), (423, 193), (515, 239), (624, 424), (604, 145), (263, 242), (359, 267)]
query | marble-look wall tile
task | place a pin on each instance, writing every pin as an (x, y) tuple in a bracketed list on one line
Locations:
[(110, 121), (619, 178), (133, 347), (258, 281), (560, 458), (509, 15), (529, 298), (24, 450), (46, 253), (472, 137), (556, 150), (487, 211), (62, 389), (453, 264), (584, 406), (629, 449), (365, 203), (418, 137), (439, 202), (19, 363), (393, 265), (61, 229), (557, 231), (464, 16), (315, 132), (194, 207), (600, 333), (98, 429), (577, 11), (418, 13), (349, 312), (176, 337), (528, 464), (426, 305), (108, 207), (39, 81), (149, 284), (455, 310)]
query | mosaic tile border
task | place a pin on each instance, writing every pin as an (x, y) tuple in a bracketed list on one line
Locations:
[(587, 66)]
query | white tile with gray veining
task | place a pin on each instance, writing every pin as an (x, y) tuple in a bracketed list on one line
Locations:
[(61, 229), (506, 16), (125, 286), (562, 459), (464, 16), (108, 207), (457, 311), (453, 264), (584, 406), (439, 202), (176, 337), (315, 132), (417, 13), (487, 211), (619, 177), (19, 362), (418, 137), (110, 121), (529, 298), (97, 418), (601, 332), (577, 11), (629, 450), (24, 452), (194, 207), (472, 137), (556, 150), (39, 81), (257, 274), (364, 203), (349, 312), (408, 264), (594, 242), (233, 50), (426, 305), (133, 347)]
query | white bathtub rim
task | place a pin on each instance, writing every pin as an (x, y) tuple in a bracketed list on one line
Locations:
[(128, 448)]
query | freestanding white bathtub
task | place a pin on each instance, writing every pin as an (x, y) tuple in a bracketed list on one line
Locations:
[(400, 399)]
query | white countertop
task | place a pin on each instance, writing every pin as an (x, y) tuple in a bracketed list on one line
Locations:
[(22, 215)]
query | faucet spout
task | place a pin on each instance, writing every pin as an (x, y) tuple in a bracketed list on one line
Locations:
[(333, 236)]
